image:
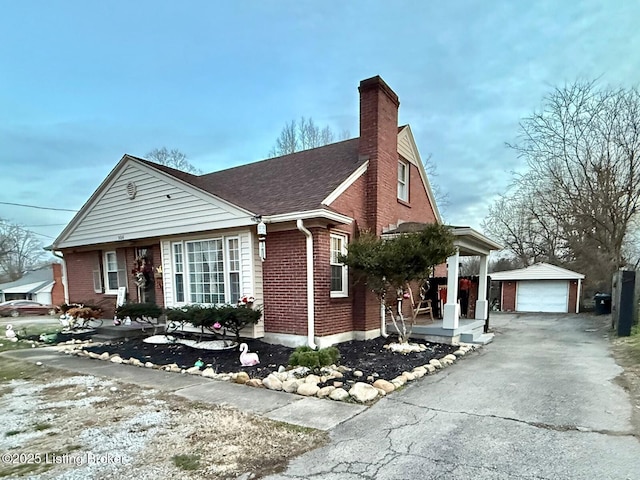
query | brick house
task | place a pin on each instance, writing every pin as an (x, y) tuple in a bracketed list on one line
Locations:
[(201, 239)]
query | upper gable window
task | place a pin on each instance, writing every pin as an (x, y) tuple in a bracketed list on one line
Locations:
[(403, 181)]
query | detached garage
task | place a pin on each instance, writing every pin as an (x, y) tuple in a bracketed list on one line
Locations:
[(539, 288)]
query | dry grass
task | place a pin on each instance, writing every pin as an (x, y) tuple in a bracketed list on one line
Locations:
[(181, 439)]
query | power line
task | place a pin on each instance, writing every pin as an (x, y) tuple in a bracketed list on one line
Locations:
[(35, 206)]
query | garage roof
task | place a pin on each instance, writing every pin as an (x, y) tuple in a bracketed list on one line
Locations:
[(539, 271)]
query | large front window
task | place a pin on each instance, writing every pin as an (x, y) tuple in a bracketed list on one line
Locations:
[(207, 271)]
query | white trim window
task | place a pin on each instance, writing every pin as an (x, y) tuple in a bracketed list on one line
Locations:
[(339, 271), (114, 274), (207, 271), (403, 181)]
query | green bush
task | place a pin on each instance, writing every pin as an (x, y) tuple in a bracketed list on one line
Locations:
[(307, 357), (138, 311), (235, 319)]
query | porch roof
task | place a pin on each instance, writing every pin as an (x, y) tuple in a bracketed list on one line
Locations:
[(470, 242)]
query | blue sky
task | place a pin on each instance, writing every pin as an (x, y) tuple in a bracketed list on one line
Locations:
[(82, 83)]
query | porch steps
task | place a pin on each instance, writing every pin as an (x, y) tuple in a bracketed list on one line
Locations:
[(474, 337)]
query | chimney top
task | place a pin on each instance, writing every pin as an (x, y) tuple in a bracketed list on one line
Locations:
[(378, 83)]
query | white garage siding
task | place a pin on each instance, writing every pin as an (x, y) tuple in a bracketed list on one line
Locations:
[(542, 296)]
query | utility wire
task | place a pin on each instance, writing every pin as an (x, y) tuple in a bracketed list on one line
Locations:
[(35, 206)]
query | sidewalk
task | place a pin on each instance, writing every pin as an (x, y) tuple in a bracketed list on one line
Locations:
[(312, 412)]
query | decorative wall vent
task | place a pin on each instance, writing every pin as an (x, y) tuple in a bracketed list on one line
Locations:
[(132, 189)]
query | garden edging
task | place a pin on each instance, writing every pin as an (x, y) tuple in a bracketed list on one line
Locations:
[(298, 380)]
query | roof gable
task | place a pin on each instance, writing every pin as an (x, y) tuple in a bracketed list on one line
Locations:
[(539, 271), (408, 149), (138, 201)]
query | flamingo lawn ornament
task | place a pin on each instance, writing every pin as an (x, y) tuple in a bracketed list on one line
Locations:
[(11, 334), (247, 359)]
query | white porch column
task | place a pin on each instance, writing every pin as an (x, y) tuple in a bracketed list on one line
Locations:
[(482, 304), (451, 311)]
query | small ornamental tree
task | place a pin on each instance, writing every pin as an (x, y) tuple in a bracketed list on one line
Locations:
[(391, 264)]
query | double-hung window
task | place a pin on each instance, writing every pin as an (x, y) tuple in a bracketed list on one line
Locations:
[(207, 271), (339, 272), (403, 181), (112, 275)]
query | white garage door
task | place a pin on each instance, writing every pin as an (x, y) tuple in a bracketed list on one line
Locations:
[(542, 296)]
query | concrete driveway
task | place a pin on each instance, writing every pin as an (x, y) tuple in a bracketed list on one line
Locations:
[(540, 403)]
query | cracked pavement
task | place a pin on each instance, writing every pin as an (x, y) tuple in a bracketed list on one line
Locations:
[(538, 403)]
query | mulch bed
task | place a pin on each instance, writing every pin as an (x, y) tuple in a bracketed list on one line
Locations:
[(367, 356)]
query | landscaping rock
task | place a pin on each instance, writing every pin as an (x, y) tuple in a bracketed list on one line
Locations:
[(272, 382), (339, 395), (435, 362), (104, 356), (384, 385), (363, 392), (254, 382), (450, 357), (313, 379), (430, 368), (325, 391), (357, 373), (116, 359), (241, 378), (419, 372), (291, 386), (308, 389), (149, 365), (208, 373), (193, 371), (135, 362), (408, 376)]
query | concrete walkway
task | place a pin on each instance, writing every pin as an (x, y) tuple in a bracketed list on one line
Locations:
[(304, 411), (540, 403)]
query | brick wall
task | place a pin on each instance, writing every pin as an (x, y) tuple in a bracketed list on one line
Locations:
[(573, 293), (80, 266), (508, 296), (285, 283), (57, 293)]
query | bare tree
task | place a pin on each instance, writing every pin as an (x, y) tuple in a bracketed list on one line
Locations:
[(172, 158), (304, 134), (20, 251), (582, 187), (441, 197)]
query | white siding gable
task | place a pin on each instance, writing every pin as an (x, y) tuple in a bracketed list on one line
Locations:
[(539, 271), (408, 150), (163, 205)]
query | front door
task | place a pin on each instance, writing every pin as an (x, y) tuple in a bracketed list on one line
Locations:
[(144, 276)]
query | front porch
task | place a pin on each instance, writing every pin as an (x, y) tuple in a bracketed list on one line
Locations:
[(467, 331), (452, 328)]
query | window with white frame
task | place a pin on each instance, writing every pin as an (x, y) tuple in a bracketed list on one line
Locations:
[(339, 273), (110, 268), (403, 181), (207, 271)]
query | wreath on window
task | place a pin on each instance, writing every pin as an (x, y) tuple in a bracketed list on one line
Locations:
[(142, 271)]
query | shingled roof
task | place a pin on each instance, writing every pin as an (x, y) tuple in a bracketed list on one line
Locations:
[(291, 183)]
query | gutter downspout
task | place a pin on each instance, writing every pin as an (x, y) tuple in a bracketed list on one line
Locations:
[(310, 299), (65, 283), (578, 293), (383, 320)]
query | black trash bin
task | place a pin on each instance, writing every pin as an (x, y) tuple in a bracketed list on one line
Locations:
[(602, 303)]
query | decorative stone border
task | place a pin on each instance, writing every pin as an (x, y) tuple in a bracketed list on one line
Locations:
[(298, 380)]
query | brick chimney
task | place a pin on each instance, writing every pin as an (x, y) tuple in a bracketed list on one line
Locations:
[(379, 142)]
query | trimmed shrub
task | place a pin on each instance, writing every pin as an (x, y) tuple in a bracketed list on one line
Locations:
[(307, 357)]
